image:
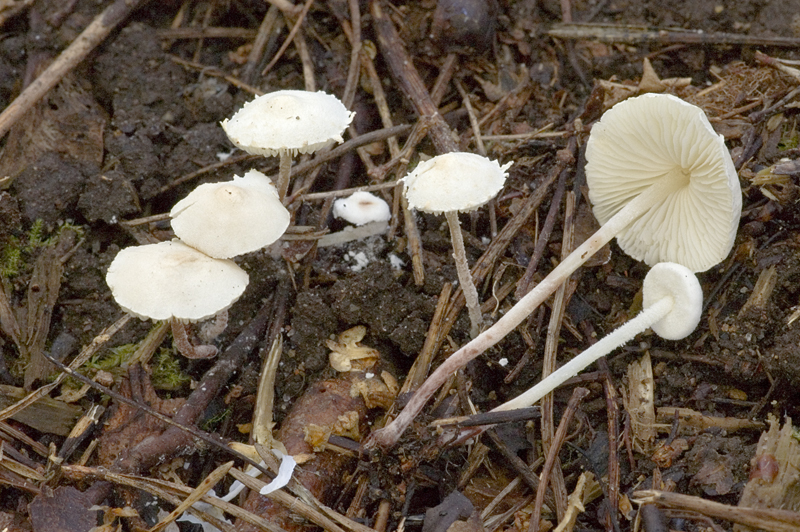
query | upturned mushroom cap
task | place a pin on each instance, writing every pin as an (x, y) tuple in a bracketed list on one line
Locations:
[(362, 208), (639, 141), (227, 219), (667, 279), (289, 120), (457, 181), (172, 280)]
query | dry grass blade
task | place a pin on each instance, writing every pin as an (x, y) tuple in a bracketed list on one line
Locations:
[(209, 482)]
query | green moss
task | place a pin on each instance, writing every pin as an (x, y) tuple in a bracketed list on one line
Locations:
[(17, 252), (167, 373)]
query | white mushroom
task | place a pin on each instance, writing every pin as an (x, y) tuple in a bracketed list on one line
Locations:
[(287, 122), (172, 281), (672, 305), (453, 183), (227, 219), (362, 208), (687, 178)]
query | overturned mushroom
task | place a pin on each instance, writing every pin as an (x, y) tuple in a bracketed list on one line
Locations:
[(172, 281), (287, 122)]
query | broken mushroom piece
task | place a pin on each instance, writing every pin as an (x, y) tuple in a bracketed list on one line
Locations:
[(672, 306), (287, 122), (362, 208), (452, 183), (227, 219), (672, 194), (172, 281)]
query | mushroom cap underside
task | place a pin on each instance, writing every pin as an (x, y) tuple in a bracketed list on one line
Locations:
[(289, 120), (457, 181), (172, 280), (643, 139)]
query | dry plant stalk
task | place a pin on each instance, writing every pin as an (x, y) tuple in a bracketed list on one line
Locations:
[(639, 397)]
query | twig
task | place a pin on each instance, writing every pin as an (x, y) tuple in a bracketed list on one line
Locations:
[(578, 395), (94, 34), (759, 518), (289, 38), (419, 370), (260, 44), (560, 169), (560, 301), (408, 79), (640, 35), (322, 158)]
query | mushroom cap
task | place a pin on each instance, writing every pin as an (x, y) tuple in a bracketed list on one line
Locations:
[(638, 141), (294, 121), (668, 279), (456, 181), (227, 219), (362, 208), (172, 280)]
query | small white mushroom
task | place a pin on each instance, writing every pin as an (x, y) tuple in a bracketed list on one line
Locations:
[(362, 208), (287, 122), (453, 183), (672, 305), (172, 281), (232, 218)]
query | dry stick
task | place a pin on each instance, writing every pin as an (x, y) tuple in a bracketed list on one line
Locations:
[(380, 100), (89, 38), (305, 59), (523, 287), (578, 395), (260, 44), (300, 18), (550, 350), (409, 81), (419, 370), (759, 518), (321, 158), (443, 79)]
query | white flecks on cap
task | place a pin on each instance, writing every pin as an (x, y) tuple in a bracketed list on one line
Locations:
[(362, 208), (456, 181), (641, 140), (172, 280), (227, 219), (289, 120)]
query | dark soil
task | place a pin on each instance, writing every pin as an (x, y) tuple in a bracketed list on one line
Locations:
[(133, 129)]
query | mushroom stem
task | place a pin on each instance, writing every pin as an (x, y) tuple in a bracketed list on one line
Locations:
[(285, 171), (387, 437), (464, 275), (615, 339), (180, 338), (213, 328)]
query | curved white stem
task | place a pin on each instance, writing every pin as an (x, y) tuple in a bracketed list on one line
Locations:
[(387, 437), (464, 275), (613, 340)]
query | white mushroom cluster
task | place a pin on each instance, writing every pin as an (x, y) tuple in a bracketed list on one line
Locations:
[(191, 278)]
